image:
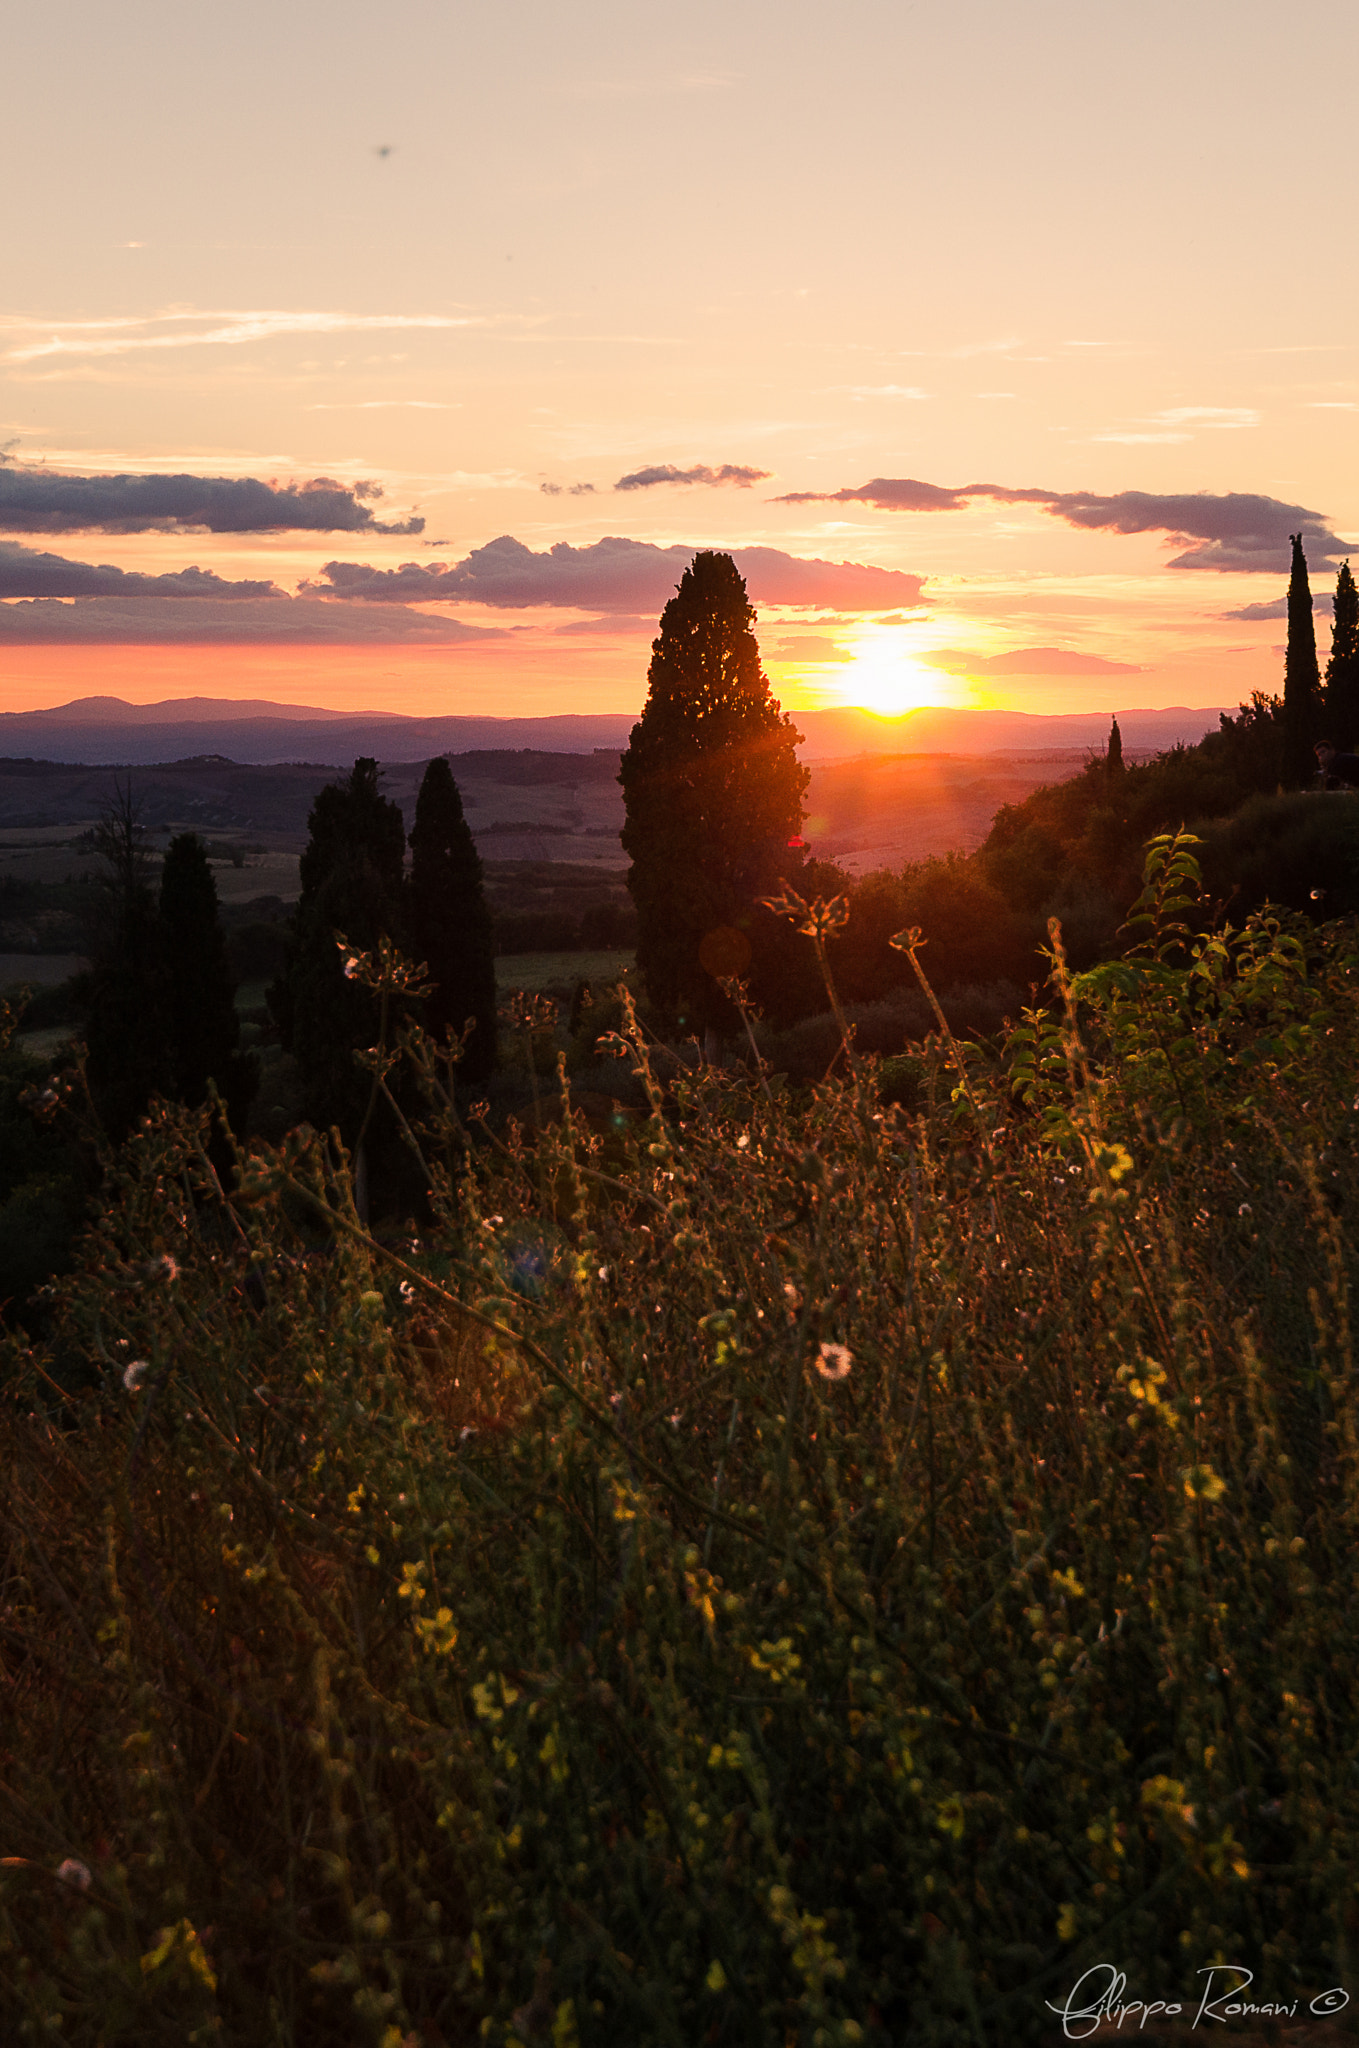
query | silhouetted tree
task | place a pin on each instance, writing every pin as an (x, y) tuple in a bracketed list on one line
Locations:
[(126, 996), (1342, 669), (205, 1031), (351, 876), (450, 923), (1113, 753), (713, 792), (1302, 681)]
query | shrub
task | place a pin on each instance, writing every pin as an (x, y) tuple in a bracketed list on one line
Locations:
[(809, 1573)]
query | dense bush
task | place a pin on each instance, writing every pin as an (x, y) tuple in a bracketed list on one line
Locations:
[(785, 1570)]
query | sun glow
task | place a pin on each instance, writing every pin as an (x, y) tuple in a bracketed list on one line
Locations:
[(885, 677)]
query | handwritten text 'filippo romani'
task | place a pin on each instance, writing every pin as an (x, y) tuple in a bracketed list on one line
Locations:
[(1099, 1997)]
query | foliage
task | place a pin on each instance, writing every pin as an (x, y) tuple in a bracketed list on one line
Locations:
[(352, 882), (450, 923), (1342, 666), (200, 987), (713, 792), (1302, 679), (42, 1184), (126, 999), (779, 1569)]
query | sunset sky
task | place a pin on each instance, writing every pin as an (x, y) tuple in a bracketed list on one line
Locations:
[(1003, 345)]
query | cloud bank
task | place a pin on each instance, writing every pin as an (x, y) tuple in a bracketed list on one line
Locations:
[(43, 501), (666, 473), (1230, 530), (613, 575), (26, 573), (154, 620)]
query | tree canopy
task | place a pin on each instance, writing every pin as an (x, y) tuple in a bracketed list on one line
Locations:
[(1302, 679), (450, 922), (713, 791)]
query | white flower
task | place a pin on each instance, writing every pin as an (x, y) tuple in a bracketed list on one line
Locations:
[(406, 1291), (603, 1272), (833, 1361), (135, 1373), (742, 1143), (74, 1872)]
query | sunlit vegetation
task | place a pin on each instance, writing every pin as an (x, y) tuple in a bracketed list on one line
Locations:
[(787, 1566)]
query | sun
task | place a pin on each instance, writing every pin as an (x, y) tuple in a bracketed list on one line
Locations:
[(880, 678)]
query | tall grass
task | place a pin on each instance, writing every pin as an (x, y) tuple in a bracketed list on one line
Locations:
[(788, 1571)]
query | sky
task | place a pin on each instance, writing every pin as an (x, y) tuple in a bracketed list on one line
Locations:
[(400, 358)]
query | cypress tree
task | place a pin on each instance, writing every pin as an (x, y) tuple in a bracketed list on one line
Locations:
[(127, 1027), (1113, 754), (352, 882), (1302, 681), (450, 923), (713, 792), (1342, 669), (205, 1031)]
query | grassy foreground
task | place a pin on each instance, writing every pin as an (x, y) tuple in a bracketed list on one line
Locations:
[(792, 1573)]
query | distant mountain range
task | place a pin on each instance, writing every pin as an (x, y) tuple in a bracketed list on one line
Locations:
[(107, 731)]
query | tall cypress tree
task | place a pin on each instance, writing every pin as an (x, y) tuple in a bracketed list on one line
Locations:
[(205, 1031), (352, 883), (1113, 753), (1302, 679), (1342, 669), (127, 1025), (713, 791), (450, 923)]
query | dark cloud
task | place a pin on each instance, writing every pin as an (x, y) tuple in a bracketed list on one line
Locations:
[(26, 573), (1029, 661), (614, 575), (200, 621), (1277, 608), (568, 490), (43, 501), (666, 473), (1230, 530), (889, 493)]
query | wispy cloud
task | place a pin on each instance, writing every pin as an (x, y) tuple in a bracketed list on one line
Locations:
[(123, 336), (151, 619), (862, 391), (737, 473), (1029, 661), (383, 405)]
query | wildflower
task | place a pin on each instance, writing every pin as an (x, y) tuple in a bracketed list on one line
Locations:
[(407, 1292), (793, 1297), (743, 1143), (603, 1272), (351, 968), (163, 1268), (76, 1873), (135, 1373), (833, 1361)]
